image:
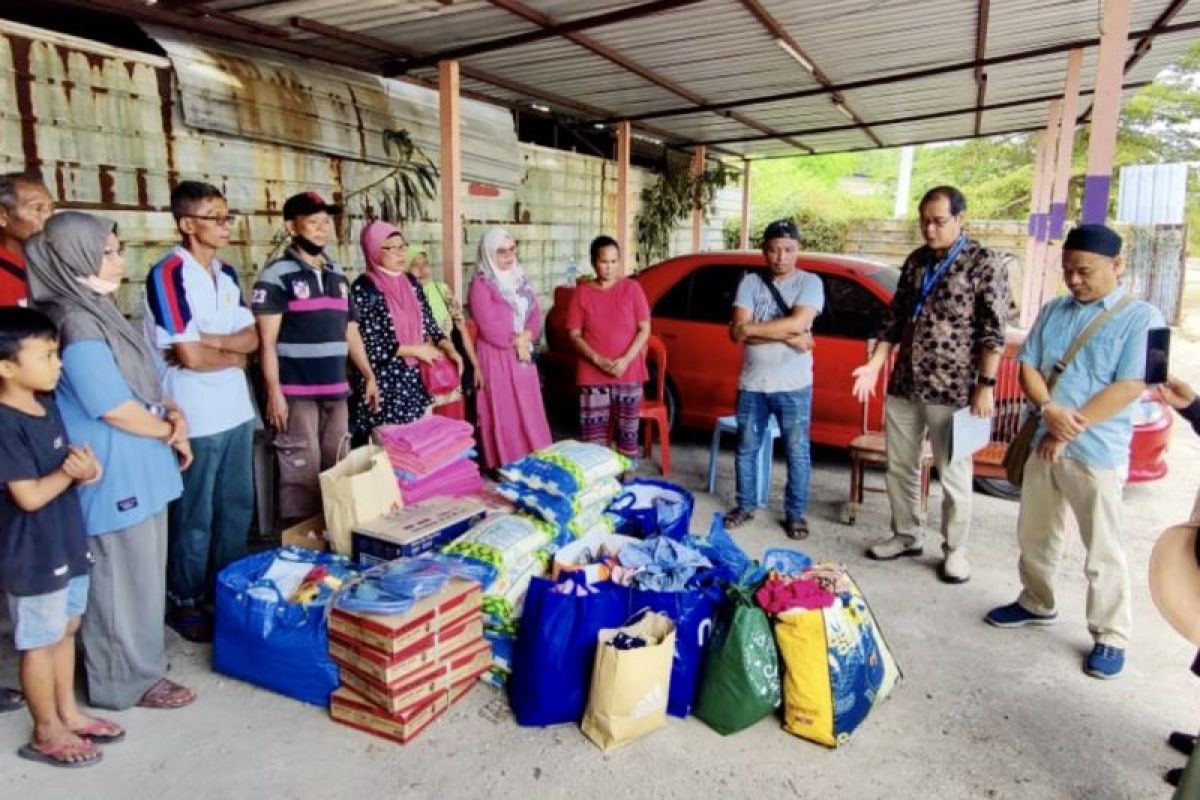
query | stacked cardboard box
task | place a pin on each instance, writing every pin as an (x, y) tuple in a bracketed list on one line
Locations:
[(399, 672)]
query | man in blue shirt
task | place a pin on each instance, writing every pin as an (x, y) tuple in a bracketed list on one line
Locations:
[(1081, 451), (774, 321)]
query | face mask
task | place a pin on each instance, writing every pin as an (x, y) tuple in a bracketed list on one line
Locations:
[(307, 245), (101, 286)]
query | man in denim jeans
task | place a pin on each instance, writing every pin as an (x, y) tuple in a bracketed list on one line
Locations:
[(773, 315)]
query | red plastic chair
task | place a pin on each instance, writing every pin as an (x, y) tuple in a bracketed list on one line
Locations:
[(654, 409)]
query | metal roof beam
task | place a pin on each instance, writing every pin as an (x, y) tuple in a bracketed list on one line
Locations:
[(981, 28), (395, 50), (538, 18), (911, 75), (226, 29), (939, 140), (544, 32), (932, 115), (780, 33)]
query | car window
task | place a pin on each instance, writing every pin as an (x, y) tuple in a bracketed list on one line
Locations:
[(713, 290), (674, 304), (851, 312)]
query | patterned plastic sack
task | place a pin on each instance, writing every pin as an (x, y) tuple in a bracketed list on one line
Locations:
[(566, 468), (836, 666)]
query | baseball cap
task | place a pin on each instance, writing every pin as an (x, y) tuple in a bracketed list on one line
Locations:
[(781, 229), (305, 203)]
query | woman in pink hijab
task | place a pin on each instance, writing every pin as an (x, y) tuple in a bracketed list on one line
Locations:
[(398, 331), (512, 420)]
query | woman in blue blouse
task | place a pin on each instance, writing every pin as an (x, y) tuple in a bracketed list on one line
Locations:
[(111, 397)]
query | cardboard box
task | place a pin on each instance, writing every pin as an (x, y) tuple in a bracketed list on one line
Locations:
[(464, 664), (415, 529), (350, 709), (391, 634), (386, 670), (309, 534)]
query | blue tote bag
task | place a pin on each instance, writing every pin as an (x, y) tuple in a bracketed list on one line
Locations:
[(556, 645)]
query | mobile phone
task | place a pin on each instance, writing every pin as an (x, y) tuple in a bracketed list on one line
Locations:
[(1158, 350)]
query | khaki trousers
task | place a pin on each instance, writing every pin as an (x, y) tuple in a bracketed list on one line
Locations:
[(1094, 496), (309, 446), (907, 423)]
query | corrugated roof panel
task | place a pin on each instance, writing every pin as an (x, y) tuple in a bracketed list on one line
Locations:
[(336, 111), (704, 126), (893, 101), (855, 39)]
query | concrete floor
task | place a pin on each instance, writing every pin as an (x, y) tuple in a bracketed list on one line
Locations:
[(982, 712)]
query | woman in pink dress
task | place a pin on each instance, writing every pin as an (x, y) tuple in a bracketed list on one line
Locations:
[(512, 420)]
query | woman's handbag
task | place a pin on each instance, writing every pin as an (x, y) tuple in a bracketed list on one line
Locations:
[(439, 377)]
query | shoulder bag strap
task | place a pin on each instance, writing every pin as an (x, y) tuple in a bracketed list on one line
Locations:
[(784, 308), (1096, 324)]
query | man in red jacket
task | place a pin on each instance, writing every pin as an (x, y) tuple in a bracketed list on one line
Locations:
[(25, 205)]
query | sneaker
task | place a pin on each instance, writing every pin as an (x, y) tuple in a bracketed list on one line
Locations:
[(955, 569), (1104, 662), (1014, 615), (737, 518), (894, 547)]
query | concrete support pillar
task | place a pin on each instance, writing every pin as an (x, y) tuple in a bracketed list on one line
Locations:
[(1044, 282), (1106, 110), (451, 175), (745, 241), (1031, 276), (1052, 265), (697, 213), (623, 236)]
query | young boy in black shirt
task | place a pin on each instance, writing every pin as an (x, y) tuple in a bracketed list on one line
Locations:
[(44, 559)]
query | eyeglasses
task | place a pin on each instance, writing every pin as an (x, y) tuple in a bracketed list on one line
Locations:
[(937, 222), (110, 252), (224, 220), (506, 250), (394, 248)]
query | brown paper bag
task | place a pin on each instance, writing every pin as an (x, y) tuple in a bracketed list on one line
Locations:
[(628, 696), (359, 487)]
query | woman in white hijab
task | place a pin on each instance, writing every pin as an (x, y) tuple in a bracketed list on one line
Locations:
[(512, 420)]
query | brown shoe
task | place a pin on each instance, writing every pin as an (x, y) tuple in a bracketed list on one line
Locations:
[(796, 528), (737, 518)]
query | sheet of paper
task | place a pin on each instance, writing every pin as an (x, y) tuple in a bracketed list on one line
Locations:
[(969, 434)]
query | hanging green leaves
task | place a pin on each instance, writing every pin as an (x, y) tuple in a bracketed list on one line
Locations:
[(671, 198)]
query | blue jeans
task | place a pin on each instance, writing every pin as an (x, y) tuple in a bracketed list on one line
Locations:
[(793, 414), (209, 523)]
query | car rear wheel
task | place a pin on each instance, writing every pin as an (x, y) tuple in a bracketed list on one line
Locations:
[(998, 487)]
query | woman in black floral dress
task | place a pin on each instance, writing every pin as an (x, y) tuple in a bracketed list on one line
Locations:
[(398, 331)]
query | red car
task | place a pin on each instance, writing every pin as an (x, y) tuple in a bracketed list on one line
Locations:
[(691, 300)]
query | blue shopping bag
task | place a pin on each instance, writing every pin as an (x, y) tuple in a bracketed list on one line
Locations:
[(556, 645), (262, 639), (693, 612), (649, 507)]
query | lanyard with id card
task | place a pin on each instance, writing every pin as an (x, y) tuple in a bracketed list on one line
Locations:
[(930, 278)]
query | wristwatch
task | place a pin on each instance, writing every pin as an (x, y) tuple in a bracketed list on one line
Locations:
[(982, 380)]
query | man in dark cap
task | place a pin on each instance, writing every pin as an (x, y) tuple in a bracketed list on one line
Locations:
[(1080, 455), (307, 327), (946, 327), (773, 314)]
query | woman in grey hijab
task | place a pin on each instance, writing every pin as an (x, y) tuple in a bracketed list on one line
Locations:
[(110, 397)]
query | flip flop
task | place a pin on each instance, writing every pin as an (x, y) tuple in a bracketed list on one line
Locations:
[(96, 732), (55, 756), (166, 695), (11, 699)]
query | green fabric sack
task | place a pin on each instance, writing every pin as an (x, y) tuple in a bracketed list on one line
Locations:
[(741, 673)]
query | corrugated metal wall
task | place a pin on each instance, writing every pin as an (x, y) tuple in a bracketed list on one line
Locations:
[(109, 131)]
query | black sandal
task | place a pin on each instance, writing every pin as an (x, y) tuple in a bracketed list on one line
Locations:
[(10, 699), (737, 518), (796, 528)]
